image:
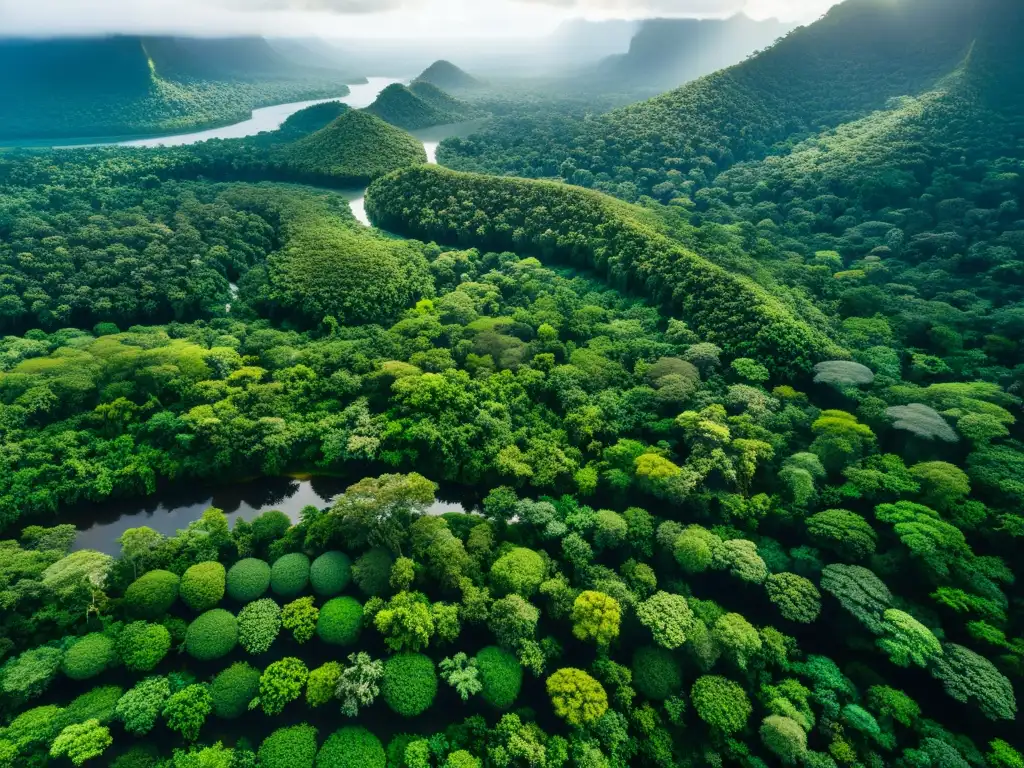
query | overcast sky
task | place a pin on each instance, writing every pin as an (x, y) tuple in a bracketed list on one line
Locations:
[(362, 18)]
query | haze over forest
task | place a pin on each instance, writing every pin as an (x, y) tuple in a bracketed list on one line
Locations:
[(520, 384)]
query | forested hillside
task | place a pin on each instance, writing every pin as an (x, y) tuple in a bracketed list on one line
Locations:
[(448, 77), (736, 431), (115, 86), (421, 105)]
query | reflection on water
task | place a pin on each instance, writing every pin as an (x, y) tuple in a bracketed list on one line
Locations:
[(100, 525)]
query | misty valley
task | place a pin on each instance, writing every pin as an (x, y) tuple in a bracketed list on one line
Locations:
[(581, 387)]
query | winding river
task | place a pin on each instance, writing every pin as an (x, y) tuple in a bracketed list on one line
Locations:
[(100, 525)]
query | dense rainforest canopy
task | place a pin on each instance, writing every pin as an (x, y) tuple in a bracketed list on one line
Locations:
[(741, 448)]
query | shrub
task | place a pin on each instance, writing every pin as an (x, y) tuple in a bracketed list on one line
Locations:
[(151, 595), (322, 683), (340, 621), (258, 625), (330, 573), (187, 709), (143, 756), (248, 580), (233, 689), (721, 703), (576, 696), (142, 645), (656, 673), (97, 704), (410, 683), (300, 616), (372, 571), (784, 737), (139, 708), (501, 675), (461, 759), (796, 597), (89, 656), (202, 585), (351, 747), (520, 571), (292, 747), (290, 575), (82, 741), (213, 635), (281, 683), (396, 749)]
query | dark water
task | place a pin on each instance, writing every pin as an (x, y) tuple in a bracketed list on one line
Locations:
[(100, 525)]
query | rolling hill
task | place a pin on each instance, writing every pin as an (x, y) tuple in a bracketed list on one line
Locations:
[(421, 105), (125, 85), (448, 77)]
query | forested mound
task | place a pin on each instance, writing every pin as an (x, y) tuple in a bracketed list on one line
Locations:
[(583, 227), (440, 100), (852, 61), (669, 52), (448, 77), (124, 85), (400, 107), (357, 146), (311, 119)]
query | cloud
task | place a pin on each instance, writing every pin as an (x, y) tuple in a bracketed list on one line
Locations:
[(641, 8), (317, 6)]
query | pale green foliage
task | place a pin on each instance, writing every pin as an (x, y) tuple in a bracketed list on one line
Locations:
[(187, 709), (322, 683), (740, 557), (668, 617), (140, 707), (258, 625), (300, 616), (406, 622), (576, 697), (461, 673), (737, 638), (280, 683), (942, 484), (513, 619), (596, 616), (695, 549), (920, 420), (906, 640), (784, 737), (843, 373), (82, 741), (359, 683)]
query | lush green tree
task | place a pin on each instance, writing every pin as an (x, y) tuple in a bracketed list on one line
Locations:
[(202, 586), (351, 747), (894, 704), (259, 623), (78, 580), (519, 571), (30, 673), (322, 683), (301, 617), (461, 758), (359, 683), (737, 637), (846, 533), (859, 591), (695, 548), (185, 711), (142, 645), (968, 676), (140, 706), (233, 689), (330, 573), (82, 742), (720, 703), (376, 511), (406, 622), (930, 539), (289, 576), (906, 640), (248, 580), (596, 616), (409, 684), (372, 571), (340, 621), (212, 635), (796, 597), (784, 737), (1002, 755), (89, 656), (289, 747), (280, 683), (656, 673), (668, 617), (152, 594), (513, 620), (462, 674), (576, 697), (501, 676)]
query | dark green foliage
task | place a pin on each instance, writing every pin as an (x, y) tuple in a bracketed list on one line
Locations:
[(202, 586), (721, 703), (501, 675), (152, 594), (656, 673), (248, 580), (410, 683), (232, 690), (341, 621), (418, 106), (351, 747), (372, 571), (89, 656), (289, 575), (291, 747), (97, 704), (212, 635), (330, 573), (142, 645), (756, 323)]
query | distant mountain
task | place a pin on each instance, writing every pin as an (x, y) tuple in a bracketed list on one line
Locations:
[(669, 52), (448, 77), (133, 85), (580, 42), (419, 106), (356, 145)]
